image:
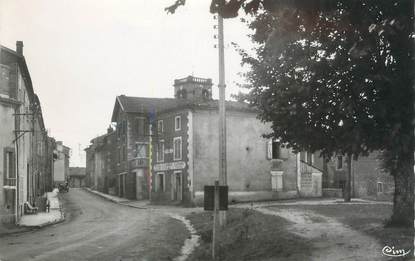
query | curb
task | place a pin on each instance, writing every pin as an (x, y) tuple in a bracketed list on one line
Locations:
[(114, 201), (45, 224)]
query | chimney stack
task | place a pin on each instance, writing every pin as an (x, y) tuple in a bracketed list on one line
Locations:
[(19, 47), (110, 129)]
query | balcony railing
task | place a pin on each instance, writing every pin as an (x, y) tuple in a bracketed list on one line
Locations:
[(10, 182), (191, 79), (139, 163)]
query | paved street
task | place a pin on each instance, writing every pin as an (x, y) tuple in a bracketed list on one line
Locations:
[(96, 229)]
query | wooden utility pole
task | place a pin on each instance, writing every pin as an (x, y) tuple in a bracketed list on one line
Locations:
[(222, 115)]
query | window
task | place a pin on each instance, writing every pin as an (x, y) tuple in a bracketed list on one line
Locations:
[(160, 151), (160, 127), (141, 150), (177, 148), (9, 161), (124, 127), (124, 152), (182, 94), (339, 162), (39, 148), (205, 94), (273, 149), (160, 182), (4, 80), (380, 187), (119, 129), (141, 126), (309, 157), (177, 123)]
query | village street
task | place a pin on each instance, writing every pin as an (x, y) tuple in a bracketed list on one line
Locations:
[(97, 229)]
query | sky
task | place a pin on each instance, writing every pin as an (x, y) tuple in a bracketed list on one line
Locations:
[(81, 54)]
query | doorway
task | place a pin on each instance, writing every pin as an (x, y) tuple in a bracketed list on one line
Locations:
[(177, 186), (139, 174), (121, 184)]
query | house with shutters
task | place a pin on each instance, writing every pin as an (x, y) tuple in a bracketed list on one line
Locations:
[(166, 150)]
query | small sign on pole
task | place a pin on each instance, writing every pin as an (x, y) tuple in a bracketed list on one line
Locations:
[(215, 198), (208, 200)]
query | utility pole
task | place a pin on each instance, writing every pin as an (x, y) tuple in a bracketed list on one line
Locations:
[(222, 115)]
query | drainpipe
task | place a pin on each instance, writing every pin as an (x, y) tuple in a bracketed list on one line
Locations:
[(16, 147), (298, 180)]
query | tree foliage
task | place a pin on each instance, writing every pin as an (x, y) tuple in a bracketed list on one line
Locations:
[(338, 80), (335, 76)]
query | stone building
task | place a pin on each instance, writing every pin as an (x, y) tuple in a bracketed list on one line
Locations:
[(368, 179), (166, 149), (76, 177), (25, 150), (100, 160)]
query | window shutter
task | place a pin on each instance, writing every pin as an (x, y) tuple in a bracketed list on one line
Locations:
[(269, 149), (12, 166)]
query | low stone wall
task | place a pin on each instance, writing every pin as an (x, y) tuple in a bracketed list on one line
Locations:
[(311, 185), (332, 193), (250, 196)]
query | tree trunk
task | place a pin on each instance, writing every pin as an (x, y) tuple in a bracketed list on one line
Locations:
[(348, 186), (403, 199)]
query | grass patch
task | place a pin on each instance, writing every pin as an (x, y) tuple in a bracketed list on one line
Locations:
[(249, 235), (366, 218)]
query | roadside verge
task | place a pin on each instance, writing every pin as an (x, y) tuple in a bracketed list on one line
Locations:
[(142, 204)]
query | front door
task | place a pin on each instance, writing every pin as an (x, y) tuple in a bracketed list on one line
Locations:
[(121, 185), (139, 175)]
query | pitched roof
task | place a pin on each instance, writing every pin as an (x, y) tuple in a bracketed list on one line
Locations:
[(145, 105)]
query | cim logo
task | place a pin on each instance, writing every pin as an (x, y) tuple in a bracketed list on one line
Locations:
[(392, 252)]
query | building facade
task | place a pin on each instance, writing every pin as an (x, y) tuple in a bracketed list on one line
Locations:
[(61, 164), (25, 148), (76, 177), (166, 150)]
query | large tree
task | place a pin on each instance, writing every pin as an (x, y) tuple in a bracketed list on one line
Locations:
[(336, 77), (339, 80)]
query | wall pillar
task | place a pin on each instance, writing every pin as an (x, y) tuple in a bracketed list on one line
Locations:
[(276, 180)]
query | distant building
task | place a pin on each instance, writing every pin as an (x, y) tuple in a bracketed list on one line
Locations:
[(368, 179), (100, 161), (76, 177), (61, 164)]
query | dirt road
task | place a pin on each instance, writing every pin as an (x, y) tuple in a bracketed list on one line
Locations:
[(331, 240), (96, 229)]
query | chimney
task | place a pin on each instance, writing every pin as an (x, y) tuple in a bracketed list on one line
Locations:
[(19, 47), (110, 129)]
